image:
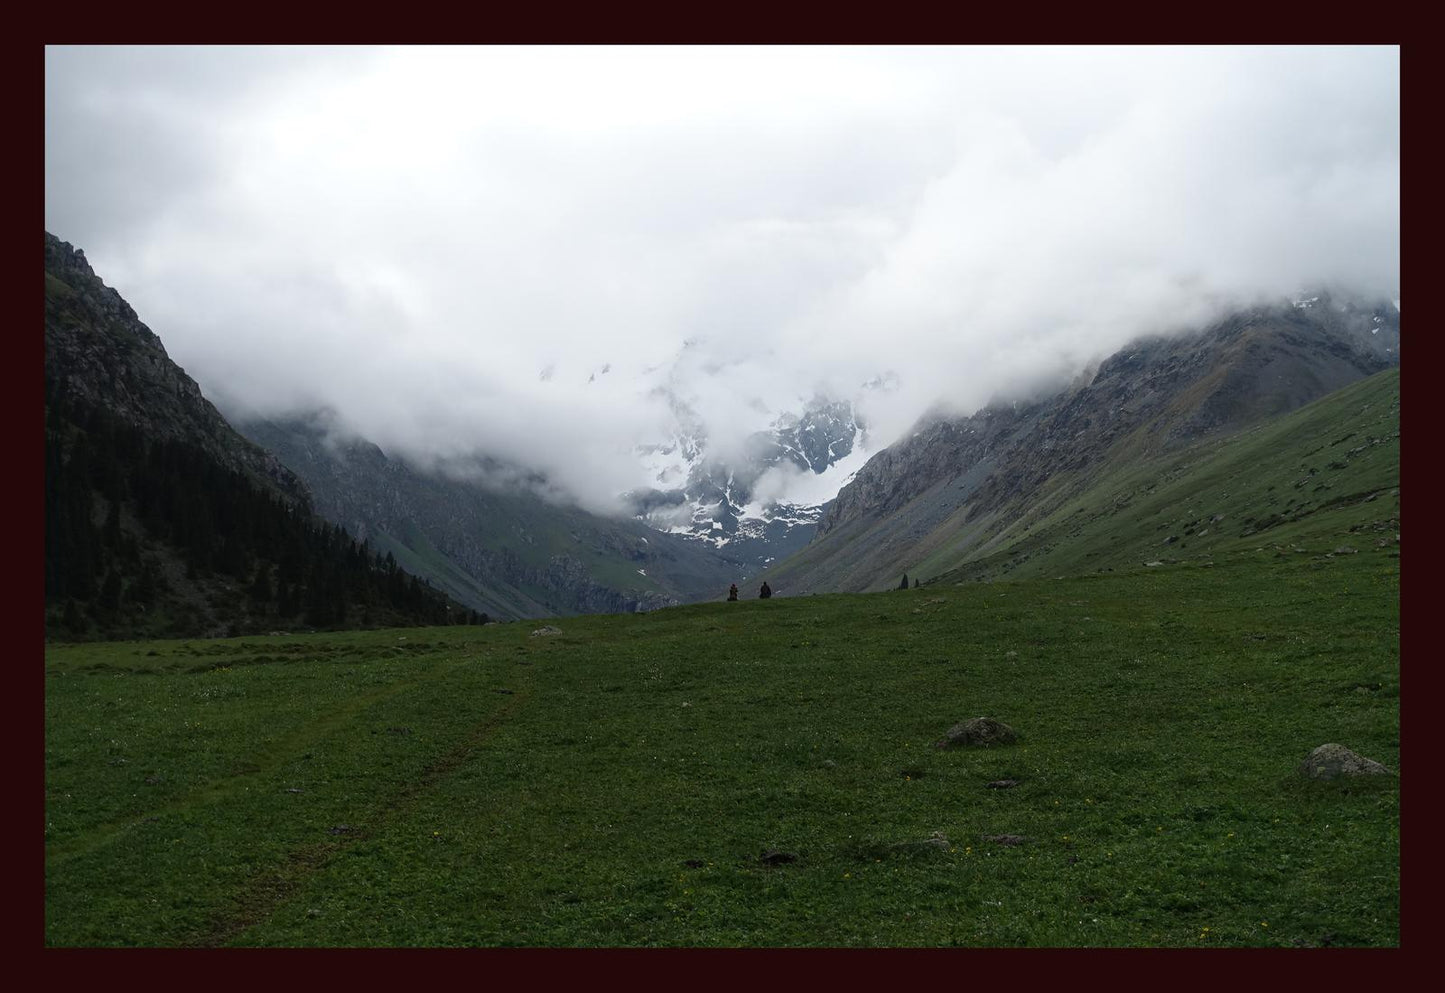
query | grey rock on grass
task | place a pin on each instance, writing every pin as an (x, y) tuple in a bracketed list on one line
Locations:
[(1332, 761), (981, 731)]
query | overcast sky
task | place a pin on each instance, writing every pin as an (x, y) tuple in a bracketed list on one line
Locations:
[(449, 246)]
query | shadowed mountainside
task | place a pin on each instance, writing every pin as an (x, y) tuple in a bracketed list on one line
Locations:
[(162, 520), (504, 551)]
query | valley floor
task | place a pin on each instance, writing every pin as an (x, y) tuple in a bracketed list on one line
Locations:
[(753, 773)]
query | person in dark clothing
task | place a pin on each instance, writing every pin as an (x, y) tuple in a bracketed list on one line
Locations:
[(765, 592), (733, 591)]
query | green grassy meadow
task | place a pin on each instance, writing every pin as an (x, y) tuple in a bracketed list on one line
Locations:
[(618, 784)]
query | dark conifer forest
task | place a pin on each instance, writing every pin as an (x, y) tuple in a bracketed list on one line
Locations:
[(152, 537)]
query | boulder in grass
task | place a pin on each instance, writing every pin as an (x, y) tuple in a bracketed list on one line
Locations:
[(1332, 761), (544, 631), (979, 731)]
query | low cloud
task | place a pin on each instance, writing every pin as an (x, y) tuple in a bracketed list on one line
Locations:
[(543, 255)]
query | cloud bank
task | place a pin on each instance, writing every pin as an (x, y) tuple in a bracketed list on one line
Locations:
[(534, 253)]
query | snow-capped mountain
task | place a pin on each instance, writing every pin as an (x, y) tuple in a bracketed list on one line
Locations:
[(761, 501)]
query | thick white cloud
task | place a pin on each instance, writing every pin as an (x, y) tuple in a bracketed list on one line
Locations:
[(448, 246)]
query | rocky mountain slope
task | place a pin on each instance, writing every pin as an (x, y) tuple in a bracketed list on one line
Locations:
[(160, 520), (958, 487), (99, 354), (1323, 481), (507, 552)]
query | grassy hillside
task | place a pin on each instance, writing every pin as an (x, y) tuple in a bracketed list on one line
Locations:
[(1326, 474), (1329, 471), (418, 556), (754, 773)]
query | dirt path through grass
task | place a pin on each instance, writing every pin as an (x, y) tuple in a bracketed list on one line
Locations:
[(274, 887)]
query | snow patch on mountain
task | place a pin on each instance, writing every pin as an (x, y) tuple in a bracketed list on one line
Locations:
[(763, 495), (786, 485)]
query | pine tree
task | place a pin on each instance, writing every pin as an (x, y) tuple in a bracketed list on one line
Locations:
[(110, 534), (147, 585), (110, 593), (261, 586), (286, 604), (73, 619)]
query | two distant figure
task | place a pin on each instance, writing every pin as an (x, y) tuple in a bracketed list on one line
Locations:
[(764, 593)]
